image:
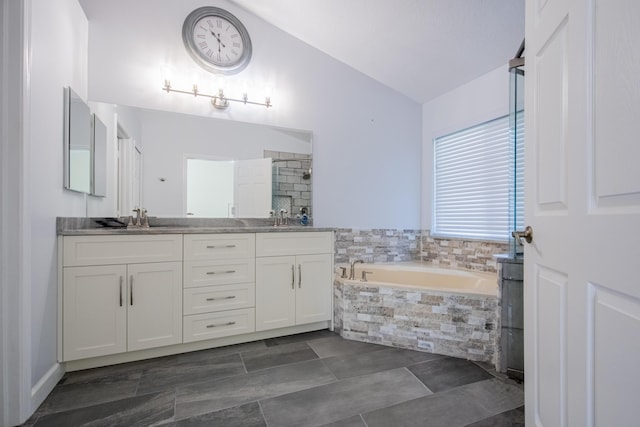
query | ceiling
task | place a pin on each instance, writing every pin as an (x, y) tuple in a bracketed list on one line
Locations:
[(421, 48)]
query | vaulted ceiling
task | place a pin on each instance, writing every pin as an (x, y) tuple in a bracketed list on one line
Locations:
[(421, 48)]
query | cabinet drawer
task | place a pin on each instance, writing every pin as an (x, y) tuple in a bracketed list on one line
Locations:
[(105, 250), (224, 272), (219, 298), (216, 325), (292, 243), (218, 246)]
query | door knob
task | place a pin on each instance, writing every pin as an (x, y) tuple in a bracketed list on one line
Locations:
[(527, 234)]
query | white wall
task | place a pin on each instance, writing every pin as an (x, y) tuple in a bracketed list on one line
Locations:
[(478, 101), (367, 137), (59, 42)]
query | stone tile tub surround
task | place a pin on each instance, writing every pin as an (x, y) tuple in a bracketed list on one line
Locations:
[(461, 253), (393, 245), (438, 321), (377, 245)]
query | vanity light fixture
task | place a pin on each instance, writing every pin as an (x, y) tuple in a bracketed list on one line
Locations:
[(219, 101)]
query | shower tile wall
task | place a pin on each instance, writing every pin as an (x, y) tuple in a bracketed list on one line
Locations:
[(288, 179)]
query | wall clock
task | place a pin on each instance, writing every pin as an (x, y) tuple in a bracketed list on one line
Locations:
[(216, 40)]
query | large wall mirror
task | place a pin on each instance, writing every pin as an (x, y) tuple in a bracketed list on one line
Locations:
[(195, 166)]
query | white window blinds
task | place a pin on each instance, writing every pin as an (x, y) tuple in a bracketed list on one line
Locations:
[(474, 172)]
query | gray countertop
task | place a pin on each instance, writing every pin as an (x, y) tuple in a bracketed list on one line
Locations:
[(66, 226)]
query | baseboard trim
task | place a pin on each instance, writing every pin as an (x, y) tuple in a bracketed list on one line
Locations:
[(45, 385), (94, 362)]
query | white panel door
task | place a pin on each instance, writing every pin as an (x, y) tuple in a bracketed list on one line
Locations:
[(314, 284), (252, 188), (154, 301), (582, 199), (275, 292), (94, 312)]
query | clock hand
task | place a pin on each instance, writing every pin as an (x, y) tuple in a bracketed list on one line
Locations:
[(218, 38)]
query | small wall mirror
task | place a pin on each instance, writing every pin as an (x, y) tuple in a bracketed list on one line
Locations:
[(77, 143)]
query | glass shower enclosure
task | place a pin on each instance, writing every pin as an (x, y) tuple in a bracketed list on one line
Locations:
[(516, 134)]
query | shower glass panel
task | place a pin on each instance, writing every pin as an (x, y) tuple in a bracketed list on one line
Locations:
[(516, 121)]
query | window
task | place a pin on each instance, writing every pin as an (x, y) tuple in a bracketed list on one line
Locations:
[(475, 171)]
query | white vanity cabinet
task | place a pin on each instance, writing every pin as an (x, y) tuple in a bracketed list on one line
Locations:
[(219, 285), (120, 293), (293, 278)]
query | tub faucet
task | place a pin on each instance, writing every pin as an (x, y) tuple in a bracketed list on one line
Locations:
[(352, 272)]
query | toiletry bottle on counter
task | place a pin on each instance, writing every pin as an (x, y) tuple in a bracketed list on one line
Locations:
[(304, 218)]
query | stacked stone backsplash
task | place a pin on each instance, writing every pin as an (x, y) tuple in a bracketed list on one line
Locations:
[(462, 254), (390, 245), (291, 180), (377, 245)]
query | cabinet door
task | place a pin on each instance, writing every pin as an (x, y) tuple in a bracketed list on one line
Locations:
[(275, 292), (313, 288), (154, 305), (94, 312)]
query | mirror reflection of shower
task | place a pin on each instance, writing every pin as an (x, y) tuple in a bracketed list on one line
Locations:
[(292, 183)]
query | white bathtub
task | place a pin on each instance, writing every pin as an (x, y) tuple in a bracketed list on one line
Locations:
[(416, 275)]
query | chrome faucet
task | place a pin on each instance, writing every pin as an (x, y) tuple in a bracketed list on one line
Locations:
[(352, 272), (142, 219)]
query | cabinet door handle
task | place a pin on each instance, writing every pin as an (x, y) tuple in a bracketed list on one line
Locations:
[(220, 246), (299, 276), (131, 290), (216, 299), (293, 277), (121, 280), (221, 272), (221, 324)]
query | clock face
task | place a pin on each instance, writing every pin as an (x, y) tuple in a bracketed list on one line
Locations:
[(217, 40)]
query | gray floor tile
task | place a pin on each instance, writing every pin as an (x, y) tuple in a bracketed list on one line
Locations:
[(457, 407), (375, 361), (343, 399), (90, 375), (204, 355), (512, 418), (444, 374), (214, 395), (168, 378), (277, 356), (248, 415), (355, 421), (336, 346), (134, 411), (304, 337), (99, 390)]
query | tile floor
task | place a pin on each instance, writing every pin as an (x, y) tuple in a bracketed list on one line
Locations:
[(312, 379)]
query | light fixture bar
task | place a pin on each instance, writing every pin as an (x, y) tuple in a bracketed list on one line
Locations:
[(218, 101)]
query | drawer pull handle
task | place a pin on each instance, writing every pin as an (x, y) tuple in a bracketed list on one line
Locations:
[(299, 275), (216, 299), (293, 277), (131, 291), (220, 246), (222, 324), (221, 272)]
